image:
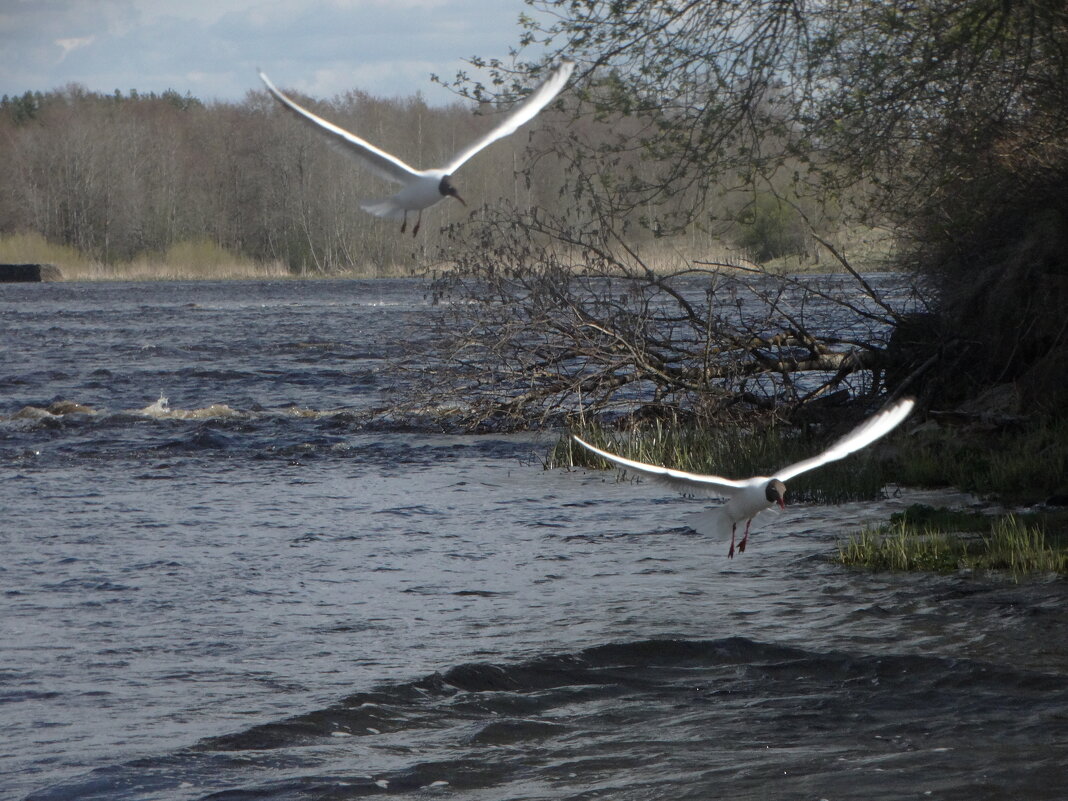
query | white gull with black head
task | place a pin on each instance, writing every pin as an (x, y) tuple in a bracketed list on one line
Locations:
[(746, 498)]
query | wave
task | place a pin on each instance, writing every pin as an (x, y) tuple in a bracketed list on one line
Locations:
[(735, 664), (380, 418), (662, 718), (74, 416), (63, 431)]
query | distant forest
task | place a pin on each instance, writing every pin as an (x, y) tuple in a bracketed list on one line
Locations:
[(117, 176), (120, 175)]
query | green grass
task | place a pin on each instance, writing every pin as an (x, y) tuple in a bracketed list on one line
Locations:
[(732, 453), (944, 541), (1024, 465)]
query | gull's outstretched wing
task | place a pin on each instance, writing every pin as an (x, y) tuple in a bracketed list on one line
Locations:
[(876, 426), (678, 479), (524, 112), (379, 161)]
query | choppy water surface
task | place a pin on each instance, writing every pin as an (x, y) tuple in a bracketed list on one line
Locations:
[(251, 592)]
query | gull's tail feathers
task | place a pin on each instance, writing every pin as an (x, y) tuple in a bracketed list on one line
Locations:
[(386, 208), (714, 523)]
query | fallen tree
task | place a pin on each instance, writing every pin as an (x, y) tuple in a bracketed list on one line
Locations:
[(538, 332)]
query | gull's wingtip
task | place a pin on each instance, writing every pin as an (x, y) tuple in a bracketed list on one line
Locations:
[(586, 445), (563, 70), (903, 406), (559, 74), (591, 448)]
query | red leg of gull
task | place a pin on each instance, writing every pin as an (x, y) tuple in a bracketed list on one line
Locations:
[(418, 222), (404, 225), (730, 553), (745, 537)]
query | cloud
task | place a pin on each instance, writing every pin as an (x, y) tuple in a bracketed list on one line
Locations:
[(211, 48), (73, 43)]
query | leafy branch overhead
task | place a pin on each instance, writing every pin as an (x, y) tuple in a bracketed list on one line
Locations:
[(780, 127), (838, 92)]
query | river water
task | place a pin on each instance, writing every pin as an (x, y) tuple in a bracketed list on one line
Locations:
[(253, 590)]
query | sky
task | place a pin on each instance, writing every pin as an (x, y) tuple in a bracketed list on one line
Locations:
[(211, 48)]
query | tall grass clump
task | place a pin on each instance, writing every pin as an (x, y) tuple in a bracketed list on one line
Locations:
[(32, 248), (948, 541), (1019, 548), (732, 453), (196, 259), (900, 547)]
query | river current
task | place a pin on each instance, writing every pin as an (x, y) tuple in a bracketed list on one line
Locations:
[(224, 578)]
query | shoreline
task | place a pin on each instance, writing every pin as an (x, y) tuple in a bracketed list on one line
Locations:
[(203, 259)]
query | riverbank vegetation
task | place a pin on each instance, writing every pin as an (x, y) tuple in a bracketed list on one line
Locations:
[(1022, 466), (945, 541), (123, 179), (185, 260)]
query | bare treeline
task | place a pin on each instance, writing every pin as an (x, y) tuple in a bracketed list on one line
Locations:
[(126, 174)]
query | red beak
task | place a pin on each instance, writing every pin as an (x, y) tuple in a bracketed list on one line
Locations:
[(782, 504)]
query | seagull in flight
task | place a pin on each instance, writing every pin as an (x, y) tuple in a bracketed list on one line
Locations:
[(746, 498), (422, 188)]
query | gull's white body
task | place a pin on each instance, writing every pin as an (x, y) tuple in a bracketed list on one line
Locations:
[(422, 188), (747, 498)]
